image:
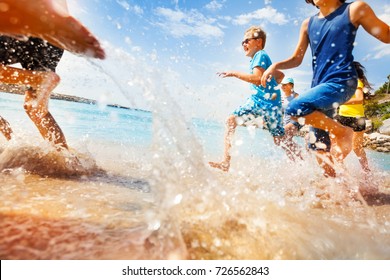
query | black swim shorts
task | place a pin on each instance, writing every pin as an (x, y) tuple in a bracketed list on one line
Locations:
[(357, 124), (319, 140), (33, 53)]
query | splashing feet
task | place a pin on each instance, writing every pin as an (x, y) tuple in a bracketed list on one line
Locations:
[(224, 165)]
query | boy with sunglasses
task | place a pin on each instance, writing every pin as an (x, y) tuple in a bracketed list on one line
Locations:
[(265, 102), (330, 34)]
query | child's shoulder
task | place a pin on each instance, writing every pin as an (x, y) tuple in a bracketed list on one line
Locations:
[(261, 59), (261, 53), (358, 6)]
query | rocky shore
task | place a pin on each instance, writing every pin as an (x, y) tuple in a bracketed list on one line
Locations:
[(378, 142)]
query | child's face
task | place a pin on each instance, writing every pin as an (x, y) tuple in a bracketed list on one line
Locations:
[(287, 88), (319, 3), (251, 45)]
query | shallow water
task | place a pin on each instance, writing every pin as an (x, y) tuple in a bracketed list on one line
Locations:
[(137, 192)]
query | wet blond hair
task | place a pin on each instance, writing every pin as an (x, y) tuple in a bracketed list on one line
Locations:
[(257, 32)]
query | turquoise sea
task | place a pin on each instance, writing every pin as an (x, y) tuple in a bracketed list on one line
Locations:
[(123, 127), (142, 189)]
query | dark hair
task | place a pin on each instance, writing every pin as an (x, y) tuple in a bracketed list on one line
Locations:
[(361, 72), (311, 1)]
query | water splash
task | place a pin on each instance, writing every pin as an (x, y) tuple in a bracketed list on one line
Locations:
[(174, 206)]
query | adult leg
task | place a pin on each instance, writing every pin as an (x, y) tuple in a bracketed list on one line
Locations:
[(231, 125), (43, 19)]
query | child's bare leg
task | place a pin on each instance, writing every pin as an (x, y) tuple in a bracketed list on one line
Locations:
[(359, 150), (231, 125), (291, 148), (43, 120), (40, 18), (36, 107), (282, 141), (341, 136), (325, 160), (40, 85), (5, 128)]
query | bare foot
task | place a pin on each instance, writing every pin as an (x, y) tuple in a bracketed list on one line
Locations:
[(342, 146), (224, 166)]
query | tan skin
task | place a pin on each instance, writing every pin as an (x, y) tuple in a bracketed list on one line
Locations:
[(324, 159), (358, 136), (250, 49), (5, 128), (361, 14), (48, 20), (40, 84)]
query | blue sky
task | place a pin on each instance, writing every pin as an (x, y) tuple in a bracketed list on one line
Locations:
[(178, 46)]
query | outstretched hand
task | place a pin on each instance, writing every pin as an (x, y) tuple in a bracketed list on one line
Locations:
[(267, 76), (225, 74)]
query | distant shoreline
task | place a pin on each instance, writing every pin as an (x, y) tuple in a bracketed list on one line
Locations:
[(12, 89), (72, 98)]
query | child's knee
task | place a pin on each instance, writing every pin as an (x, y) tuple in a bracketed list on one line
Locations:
[(44, 81), (55, 78), (231, 121), (51, 80)]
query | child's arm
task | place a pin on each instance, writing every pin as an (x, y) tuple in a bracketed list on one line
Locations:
[(254, 78), (295, 60), (362, 14), (279, 75), (357, 99)]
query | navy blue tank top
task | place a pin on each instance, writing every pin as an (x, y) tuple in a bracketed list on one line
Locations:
[(332, 40)]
